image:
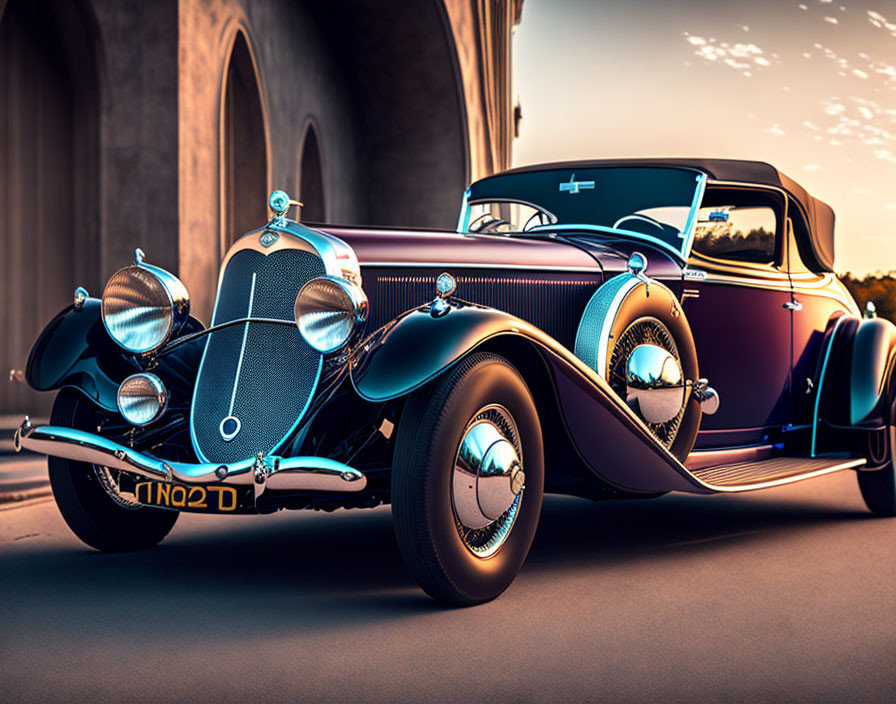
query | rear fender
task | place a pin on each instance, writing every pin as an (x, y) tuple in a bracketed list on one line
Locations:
[(854, 370), (872, 352)]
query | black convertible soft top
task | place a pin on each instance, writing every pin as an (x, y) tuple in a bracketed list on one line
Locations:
[(818, 214)]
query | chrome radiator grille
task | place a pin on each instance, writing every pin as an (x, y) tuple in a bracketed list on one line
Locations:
[(256, 379)]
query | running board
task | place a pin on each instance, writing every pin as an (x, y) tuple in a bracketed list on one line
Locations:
[(747, 476)]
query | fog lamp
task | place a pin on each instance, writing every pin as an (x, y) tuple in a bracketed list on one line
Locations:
[(142, 398)]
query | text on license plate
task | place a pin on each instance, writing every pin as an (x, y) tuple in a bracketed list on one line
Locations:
[(189, 498)]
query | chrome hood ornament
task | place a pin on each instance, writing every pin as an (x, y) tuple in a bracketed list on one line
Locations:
[(279, 202)]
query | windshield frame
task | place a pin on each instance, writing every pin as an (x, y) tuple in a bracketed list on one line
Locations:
[(687, 234)]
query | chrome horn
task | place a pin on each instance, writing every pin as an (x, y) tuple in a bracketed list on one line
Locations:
[(654, 383)]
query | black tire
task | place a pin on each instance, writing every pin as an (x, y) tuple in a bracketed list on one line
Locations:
[(878, 487), (90, 512), (429, 434)]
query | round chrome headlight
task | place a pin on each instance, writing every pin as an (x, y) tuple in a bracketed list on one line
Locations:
[(143, 306), (142, 398), (327, 310)]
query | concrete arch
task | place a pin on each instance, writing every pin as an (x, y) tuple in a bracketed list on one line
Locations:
[(244, 145), (400, 68), (312, 175)]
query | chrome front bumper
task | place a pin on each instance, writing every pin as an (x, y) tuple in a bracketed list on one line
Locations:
[(263, 472)]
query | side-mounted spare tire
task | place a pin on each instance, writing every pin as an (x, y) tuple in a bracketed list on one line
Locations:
[(628, 311)]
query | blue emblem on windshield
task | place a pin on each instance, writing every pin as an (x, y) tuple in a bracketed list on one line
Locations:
[(573, 186), (718, 216)]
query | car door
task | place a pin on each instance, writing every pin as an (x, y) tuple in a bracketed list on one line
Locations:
[(818, 300), (738, 299)]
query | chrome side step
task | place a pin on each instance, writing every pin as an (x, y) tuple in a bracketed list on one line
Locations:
[(748, 476)]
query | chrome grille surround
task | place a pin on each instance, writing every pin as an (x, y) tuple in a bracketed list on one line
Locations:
[(256, 381)]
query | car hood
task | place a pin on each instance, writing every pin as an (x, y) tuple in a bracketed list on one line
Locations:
[(606, 255)]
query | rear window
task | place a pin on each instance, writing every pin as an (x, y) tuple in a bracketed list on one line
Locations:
[(741, 233)]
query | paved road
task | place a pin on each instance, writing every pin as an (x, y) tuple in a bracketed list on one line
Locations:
[(786, 595)]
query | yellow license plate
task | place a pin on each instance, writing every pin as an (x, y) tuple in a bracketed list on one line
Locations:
[(200, 498)]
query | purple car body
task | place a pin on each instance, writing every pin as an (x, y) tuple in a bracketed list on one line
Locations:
[(616, 328)]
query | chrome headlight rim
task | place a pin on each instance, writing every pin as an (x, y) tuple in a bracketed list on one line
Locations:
[(176, 306), (159, 394), (357, 306)]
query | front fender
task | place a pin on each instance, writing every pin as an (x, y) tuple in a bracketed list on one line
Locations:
[(418, 346), (75, 350)]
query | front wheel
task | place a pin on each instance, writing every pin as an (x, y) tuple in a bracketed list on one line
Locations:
[(86, 496), (468, 480)]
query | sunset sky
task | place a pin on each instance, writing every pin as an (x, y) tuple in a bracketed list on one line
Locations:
[(808, 86)]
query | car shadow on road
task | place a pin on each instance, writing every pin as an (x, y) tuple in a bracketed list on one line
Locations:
[(317, 571)]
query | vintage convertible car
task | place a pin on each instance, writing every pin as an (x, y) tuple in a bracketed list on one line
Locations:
[(600, 329)]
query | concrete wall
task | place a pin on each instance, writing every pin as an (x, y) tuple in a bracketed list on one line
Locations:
[(298, 84), (392, 88), (137, 47)]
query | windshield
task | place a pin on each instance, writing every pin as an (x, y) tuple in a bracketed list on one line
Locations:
[(658, 204)]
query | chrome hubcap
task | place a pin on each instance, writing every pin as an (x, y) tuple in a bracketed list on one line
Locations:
[(488, 480)]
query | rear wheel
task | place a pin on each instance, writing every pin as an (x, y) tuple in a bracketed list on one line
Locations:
[(467, 481), (87, 499), (878, 487)]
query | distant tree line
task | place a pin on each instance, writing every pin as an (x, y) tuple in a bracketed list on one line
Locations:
[(879, 288), (722, 239)]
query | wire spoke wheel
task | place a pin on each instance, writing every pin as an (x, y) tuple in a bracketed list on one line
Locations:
[(644, 331)]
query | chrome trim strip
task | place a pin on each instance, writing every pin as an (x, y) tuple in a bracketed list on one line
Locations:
[(467, 265), (463, 219), (286, 473), (782, 285), (703, 459), (192, 337), (846, 464), (239, 364), (816, 419), (690, 228)]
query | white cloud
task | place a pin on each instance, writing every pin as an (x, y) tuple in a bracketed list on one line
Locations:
[(812, 167), (775, 129), (831, 20)]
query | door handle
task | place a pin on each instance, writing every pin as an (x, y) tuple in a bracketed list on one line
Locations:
[(793, 305)]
